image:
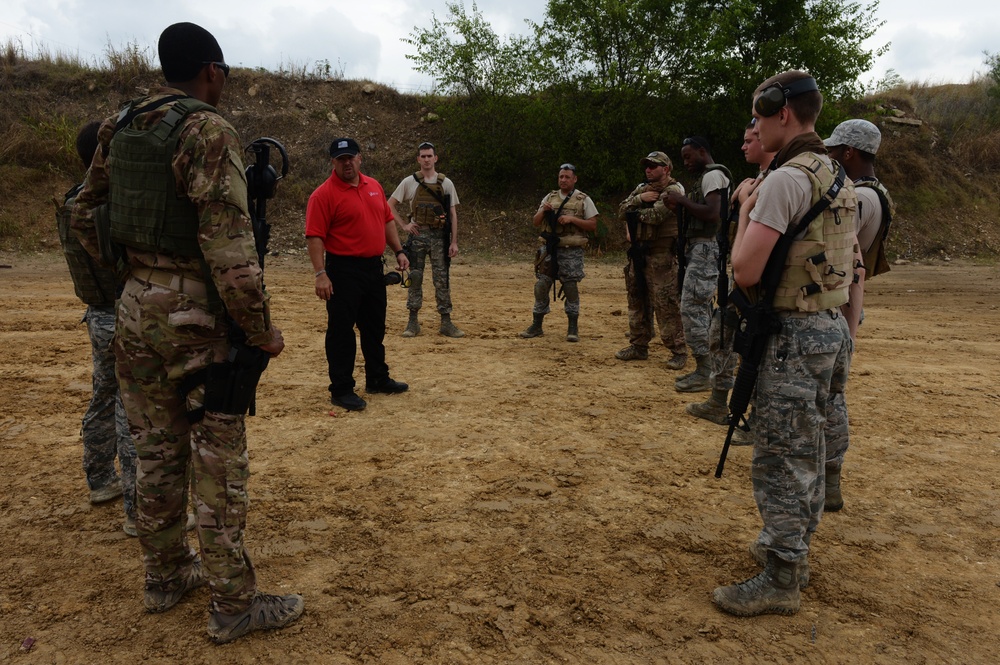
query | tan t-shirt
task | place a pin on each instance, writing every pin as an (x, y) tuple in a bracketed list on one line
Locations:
[(870, 217), (784, 197)]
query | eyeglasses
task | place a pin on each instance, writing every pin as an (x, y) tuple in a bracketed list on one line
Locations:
[(221, 65), (694, 141), (567, 166)]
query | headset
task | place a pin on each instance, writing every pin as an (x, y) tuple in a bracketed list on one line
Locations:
[(774, 97), (262, 179)]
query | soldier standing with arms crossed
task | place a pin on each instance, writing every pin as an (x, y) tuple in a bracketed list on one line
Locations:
[(171, 169), (564, 217), (427, 192), (806, 361), (651, 274)]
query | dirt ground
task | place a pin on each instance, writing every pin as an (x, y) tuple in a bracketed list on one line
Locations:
[(528, 501)]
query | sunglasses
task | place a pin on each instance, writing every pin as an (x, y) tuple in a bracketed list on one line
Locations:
[(425, 145), (221, 65), (568, 167)]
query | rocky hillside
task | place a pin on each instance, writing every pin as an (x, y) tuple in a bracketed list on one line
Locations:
[(944, 210)]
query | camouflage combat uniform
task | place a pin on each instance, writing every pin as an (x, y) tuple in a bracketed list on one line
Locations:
[(701, 275), (803, 373), (569, 253), (171, 324), (105, 428), (657, 226), (428, 243)]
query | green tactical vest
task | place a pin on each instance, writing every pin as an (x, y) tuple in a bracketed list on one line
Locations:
[(697, 228), (874, 259), (426, 209), (146, 213), (93, 285)]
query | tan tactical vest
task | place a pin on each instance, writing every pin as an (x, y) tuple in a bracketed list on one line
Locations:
[(425, 209), (93, 285), (660, 236), (570, 235), (874, 259), (819, 268)]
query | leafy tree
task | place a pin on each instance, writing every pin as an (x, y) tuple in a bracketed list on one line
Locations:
[(617, 45), (467, 57)]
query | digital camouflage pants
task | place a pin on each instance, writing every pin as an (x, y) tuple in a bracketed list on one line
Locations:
[(803, 372), (163, 336), (105, 428), (701, 279), (570, 263), (428, 243), (658, 297), (720, 344)]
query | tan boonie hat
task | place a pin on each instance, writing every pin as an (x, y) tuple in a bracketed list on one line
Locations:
[(858, 134), (656, 159)]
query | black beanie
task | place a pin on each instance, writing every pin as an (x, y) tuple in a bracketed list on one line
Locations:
[(184, 49)]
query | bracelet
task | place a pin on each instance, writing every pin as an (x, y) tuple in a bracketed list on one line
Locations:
[(319, 272)]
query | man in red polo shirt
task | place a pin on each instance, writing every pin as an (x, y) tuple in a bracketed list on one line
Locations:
[(348, 225)]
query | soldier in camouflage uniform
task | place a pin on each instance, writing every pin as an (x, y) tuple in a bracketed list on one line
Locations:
[(720, 334), (424, 193), (703, 208), (105, 428), (565, 215), (805, 363), (170, 169), (854, 144), (655, 290)]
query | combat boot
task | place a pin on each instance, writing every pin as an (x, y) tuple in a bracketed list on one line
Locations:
[(535, 329), (448, 329), (713, 409), (759, 554), (698, 380), (160, 599), (677, 361), (633, 352), (573, 332), (266, 612), (412, 326), (834, 499), (775, 590)]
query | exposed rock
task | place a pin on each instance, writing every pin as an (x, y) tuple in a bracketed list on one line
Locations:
[(332, 118), (368, 89), (912, 122)]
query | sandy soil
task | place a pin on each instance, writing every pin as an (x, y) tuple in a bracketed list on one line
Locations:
[(528, 501)]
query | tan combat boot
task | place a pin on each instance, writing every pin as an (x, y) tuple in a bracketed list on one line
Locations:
[(775, 590)]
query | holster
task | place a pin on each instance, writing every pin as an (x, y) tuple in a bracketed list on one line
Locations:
[(230, 386)]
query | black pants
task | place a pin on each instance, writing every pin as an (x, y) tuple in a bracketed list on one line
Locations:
[(358, 299)]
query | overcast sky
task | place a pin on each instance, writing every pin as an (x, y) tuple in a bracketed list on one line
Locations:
[(932, 42)]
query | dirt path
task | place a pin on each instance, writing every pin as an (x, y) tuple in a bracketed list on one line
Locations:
[(528, 501)]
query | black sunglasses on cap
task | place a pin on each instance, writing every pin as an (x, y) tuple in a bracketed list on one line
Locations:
[(221, 65), (568, 167), (425, 145)]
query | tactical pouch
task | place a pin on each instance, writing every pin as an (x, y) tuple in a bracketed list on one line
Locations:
[(230, 386), (544, 265)]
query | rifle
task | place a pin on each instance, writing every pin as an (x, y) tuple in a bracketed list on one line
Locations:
[(758, 320), (231, 385), (682, 231), (249, 362), (446, 238), (722, 296), (637, 249), (551, 239)]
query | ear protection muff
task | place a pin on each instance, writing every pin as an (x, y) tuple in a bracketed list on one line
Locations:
[(774, 97), (262, 178)]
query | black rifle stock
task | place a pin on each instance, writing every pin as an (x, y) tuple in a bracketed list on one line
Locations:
[(446, 238), (637, 249), (552, 249), (722, 296), (758, 321)]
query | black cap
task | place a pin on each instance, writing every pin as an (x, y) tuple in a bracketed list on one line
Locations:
[(185, 48), (344, 146)]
